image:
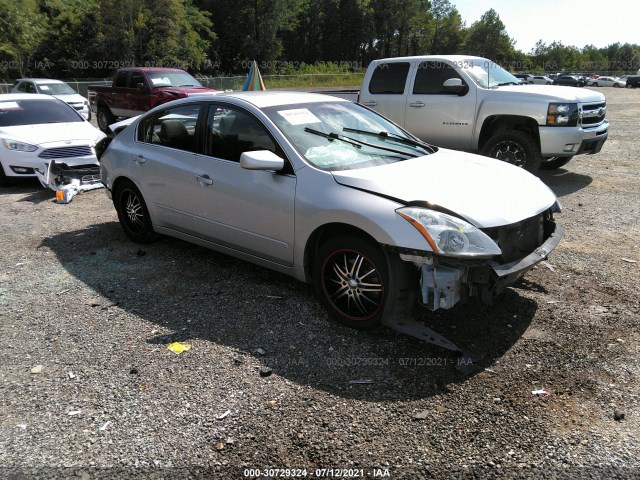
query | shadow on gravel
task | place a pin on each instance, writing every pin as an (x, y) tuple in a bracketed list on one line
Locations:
[(199, 294), (564, 182)]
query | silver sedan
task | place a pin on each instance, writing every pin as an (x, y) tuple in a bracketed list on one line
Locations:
[(332, 194)]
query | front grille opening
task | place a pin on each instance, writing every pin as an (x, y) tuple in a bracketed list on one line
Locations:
[(519, 239)]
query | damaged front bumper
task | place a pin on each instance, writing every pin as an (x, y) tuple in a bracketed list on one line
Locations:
[(68, 181), (444, 283)]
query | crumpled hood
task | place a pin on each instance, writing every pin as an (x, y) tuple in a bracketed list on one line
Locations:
[(484, 191), (53, 133)]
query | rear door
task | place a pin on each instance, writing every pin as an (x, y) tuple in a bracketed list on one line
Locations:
[(248, 210), (386, 90)]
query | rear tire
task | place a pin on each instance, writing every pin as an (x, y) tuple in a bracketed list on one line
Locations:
[(359, 285), (105, 118), (515, 147), (133, 213)]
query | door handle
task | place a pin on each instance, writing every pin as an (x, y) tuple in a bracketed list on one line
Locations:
[(417, 104), (139, 159), (370, 103), (204, 179)]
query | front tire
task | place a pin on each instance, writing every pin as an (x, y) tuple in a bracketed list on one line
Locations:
[(594, 84), (105, 118), (133, 213), (359, 285), (514, 147), (4, 180)]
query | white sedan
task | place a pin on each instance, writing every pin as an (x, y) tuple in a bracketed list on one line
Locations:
[(542, 80), (607, 82), (56, 88), (38, 132)]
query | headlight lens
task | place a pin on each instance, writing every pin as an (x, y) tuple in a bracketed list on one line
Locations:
[(562, 115), (18, 146), (450, 236)]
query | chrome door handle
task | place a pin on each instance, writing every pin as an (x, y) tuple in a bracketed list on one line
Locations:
[(370, 103), (204, 179), (139, 159), (416, 104)]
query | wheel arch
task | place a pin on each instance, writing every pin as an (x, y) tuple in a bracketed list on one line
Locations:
[(498, 123)]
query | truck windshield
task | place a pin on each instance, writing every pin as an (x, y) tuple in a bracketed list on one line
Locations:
[(344, 135), (488, 74), (172, 79)]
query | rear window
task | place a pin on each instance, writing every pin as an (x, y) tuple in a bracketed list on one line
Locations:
[(389, 78), (35, 112)]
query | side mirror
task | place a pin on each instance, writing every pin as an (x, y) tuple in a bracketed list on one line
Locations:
[(261, 160), (455, 85), (141, 87)]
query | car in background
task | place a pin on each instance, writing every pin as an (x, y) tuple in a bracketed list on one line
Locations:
[(607, 82), (569, 81), (524, 77), (56, 88), (542, 80), (331, 193), (38, 130)]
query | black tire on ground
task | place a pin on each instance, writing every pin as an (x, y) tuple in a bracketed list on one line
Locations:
[(133, 213), (359, 285), (515, 147), (594, 84), (105, 118), (4, 180), (553, 163), (616, 85)]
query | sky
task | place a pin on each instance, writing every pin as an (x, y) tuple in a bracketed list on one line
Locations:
[(572, 22)]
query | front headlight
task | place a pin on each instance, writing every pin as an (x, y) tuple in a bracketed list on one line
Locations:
[(562, 115), (450, 236), (18, 146)]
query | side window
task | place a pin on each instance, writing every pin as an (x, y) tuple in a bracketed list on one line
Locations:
[(172, 127), (389, 78), (135, 79), (430, 77), (230, 132), (24, 87), (121, 80)]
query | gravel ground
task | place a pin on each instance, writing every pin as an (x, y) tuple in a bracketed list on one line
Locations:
[(268, 382)]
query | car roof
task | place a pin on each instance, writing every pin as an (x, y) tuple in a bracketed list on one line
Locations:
[(270, 98), (39, 81), (7, 97)]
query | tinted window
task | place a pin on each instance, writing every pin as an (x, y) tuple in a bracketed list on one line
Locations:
[(172, 127), (389, 78), (121, 79), (136, 78), (34, 112), (230, 132), (430, 77)]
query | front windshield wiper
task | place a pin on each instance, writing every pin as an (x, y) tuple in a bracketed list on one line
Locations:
[(357, 143), (504, 84), (394, 136)]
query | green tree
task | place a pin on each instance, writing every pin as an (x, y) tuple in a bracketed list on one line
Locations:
[(488, 38), (447, 33), (23, 27)]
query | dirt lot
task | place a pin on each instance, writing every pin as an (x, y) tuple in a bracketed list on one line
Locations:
[(96, 312)]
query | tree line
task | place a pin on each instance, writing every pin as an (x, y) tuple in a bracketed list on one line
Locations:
[(92, 38)]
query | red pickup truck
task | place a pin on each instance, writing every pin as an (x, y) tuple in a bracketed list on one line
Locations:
[(136, 90)]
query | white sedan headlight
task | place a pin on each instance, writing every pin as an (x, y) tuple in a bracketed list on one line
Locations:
[(450, 236), (18, 146)]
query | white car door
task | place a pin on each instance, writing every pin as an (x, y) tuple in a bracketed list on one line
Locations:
[(248, 210)]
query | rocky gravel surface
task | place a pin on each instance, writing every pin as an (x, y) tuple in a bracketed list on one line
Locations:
[(88, 388)]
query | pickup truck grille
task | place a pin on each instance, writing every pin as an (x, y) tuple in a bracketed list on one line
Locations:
[(66, 152), (593, 113), (518, 239)]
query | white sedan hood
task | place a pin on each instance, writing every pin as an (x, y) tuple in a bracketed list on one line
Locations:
[(53, 132), (485, 191)]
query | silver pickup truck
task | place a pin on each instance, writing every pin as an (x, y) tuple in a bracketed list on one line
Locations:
[(472, 104)]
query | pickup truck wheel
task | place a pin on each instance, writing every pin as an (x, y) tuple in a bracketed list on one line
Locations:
[(359, 285), (515, 147), (105, 118), (553, 163), (133, 213)]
